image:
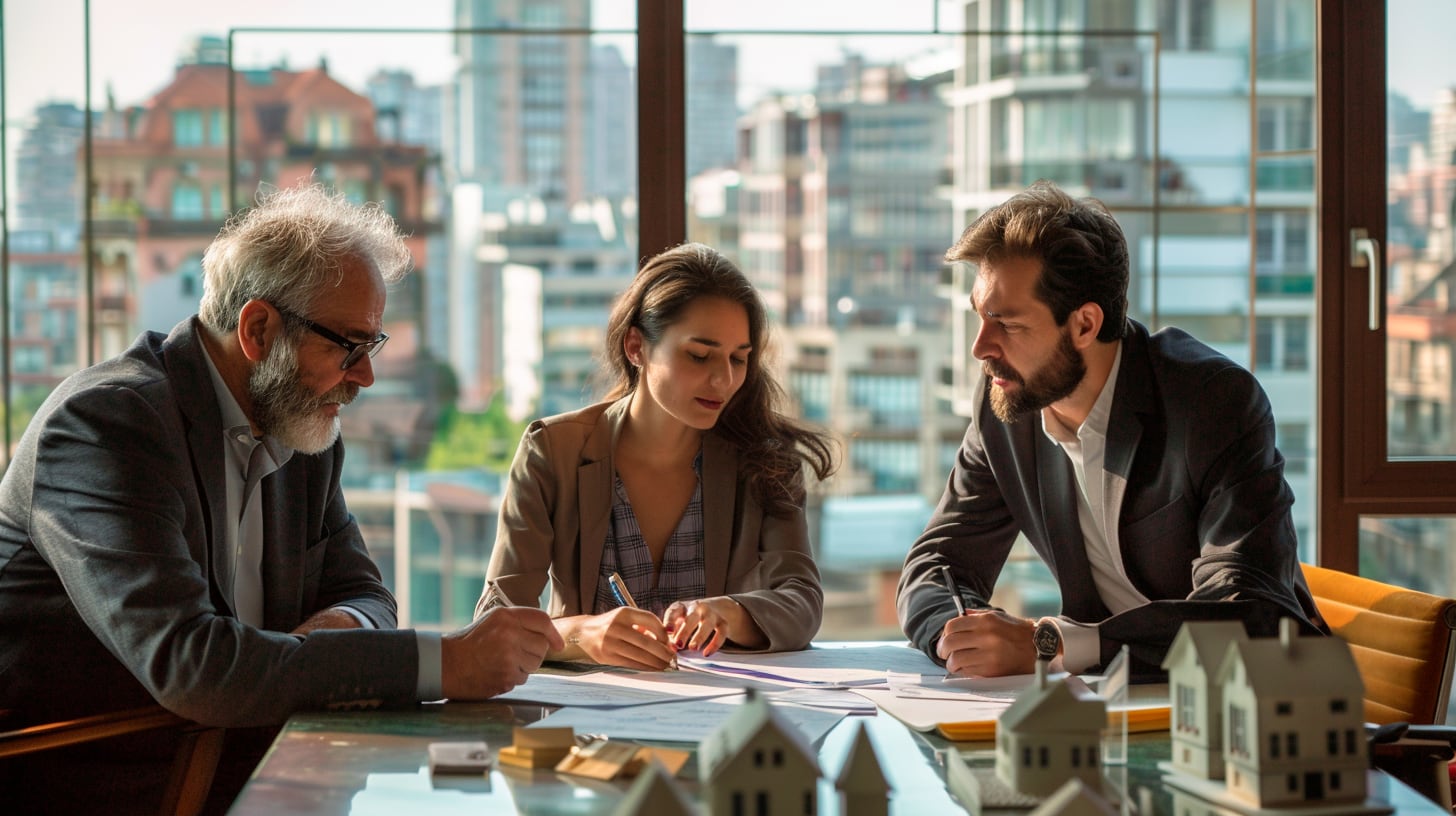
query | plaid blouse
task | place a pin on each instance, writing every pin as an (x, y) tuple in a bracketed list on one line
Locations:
[(625, 553)]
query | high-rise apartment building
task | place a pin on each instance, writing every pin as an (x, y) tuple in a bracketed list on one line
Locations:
[(521, 97), (1203, 148), (712, 103)]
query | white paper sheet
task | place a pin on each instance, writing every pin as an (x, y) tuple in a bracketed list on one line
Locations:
[(818, 667), (611, 689), (683, 721), (924, 714)]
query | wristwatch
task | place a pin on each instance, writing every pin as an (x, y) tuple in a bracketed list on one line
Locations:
[(1048, 640)]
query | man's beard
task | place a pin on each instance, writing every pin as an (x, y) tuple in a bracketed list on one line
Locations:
[(1052, 382), (286, 410)]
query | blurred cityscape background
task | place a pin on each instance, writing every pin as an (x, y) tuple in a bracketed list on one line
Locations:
[(837, 192)]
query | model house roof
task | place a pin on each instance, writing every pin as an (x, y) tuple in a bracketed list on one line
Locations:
[(1050, 706), (753, 719), (1207, 641), (861, 772), (1074, 798), (654, 794), (1291, 666)]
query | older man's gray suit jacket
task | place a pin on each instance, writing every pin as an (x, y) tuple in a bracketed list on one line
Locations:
[(115, 586), (1204, 529)]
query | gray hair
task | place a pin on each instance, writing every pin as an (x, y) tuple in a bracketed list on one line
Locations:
[(292, 246)]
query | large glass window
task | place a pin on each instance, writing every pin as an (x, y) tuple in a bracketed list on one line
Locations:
[(833, 149)]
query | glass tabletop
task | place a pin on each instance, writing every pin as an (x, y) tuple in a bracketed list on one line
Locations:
[(377, 762)]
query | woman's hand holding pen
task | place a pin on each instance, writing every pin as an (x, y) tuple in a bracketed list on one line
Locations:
[(707, 625), (625, 636)]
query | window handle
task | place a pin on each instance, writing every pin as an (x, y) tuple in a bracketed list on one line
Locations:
[(1365, 252)]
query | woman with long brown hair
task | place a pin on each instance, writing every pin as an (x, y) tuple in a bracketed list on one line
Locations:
[(686, 485)]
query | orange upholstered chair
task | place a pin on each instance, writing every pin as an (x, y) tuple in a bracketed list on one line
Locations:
[(1403, 642)]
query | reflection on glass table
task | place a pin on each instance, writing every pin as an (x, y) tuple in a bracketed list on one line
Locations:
[(377, 762)]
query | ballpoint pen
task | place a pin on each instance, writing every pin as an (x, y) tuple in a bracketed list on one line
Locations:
[(619, 591), (954, 589)]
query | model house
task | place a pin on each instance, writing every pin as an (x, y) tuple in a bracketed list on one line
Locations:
[(1196, 696), (863, 789), (654, 793), (757, 762), (1293, 720), (1049, 735)]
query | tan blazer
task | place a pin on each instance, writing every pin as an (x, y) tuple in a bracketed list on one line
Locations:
[(557, 507)]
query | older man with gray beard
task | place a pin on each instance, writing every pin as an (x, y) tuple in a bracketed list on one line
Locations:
[(173, 529)]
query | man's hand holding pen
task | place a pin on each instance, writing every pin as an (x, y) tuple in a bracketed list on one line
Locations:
[(984, 642)]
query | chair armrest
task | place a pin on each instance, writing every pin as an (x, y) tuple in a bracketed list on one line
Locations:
[(86, 729)]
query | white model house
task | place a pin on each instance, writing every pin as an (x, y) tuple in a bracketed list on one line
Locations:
[(756, 762), (1293, 720), (1196, 696), (863, 789), (1048, 736)]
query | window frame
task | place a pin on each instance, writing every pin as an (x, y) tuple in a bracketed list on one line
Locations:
[(1355, 475)]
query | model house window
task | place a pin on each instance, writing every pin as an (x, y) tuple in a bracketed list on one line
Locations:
[(1338, 706), (1333, 742), (1293, 783), (1292, 741), (1238, 731), (1187, 711), (758, 759), (1283, 709), (1026, 757), (1076, 756), (1274, 746), (778, 758)]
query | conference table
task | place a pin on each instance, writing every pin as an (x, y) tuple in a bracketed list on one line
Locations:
[(376, 762)]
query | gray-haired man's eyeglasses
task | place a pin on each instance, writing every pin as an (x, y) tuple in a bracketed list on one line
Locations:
[(353, 352)]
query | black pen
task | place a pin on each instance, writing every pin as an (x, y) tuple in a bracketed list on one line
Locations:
[(954, 589)]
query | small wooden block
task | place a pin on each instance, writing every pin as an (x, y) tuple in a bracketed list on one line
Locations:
[(603, 759), (671, 759), (538, 747), (544, 738)]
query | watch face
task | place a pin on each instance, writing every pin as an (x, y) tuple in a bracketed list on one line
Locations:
[(1048, 639)]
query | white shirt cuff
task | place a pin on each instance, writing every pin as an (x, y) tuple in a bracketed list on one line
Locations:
[(364, 623), (429, 683), (1081, 645)]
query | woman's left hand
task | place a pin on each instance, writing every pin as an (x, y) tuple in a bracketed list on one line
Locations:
[(703, 625)]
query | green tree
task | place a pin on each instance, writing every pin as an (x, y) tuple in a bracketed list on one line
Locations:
[(485, 439)]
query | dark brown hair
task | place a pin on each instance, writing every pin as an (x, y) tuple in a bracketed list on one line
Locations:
[(1082, 251), (772, 448)]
